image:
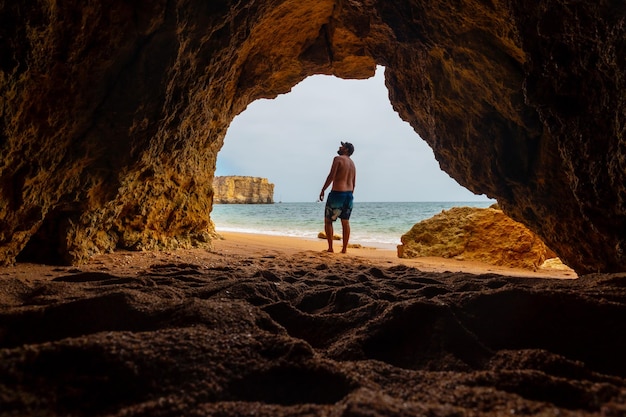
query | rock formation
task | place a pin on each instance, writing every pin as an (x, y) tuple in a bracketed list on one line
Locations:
[(242, 190), (482, 234), (113, 113)]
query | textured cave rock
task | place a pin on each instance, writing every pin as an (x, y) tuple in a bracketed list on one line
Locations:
[(113, 112)]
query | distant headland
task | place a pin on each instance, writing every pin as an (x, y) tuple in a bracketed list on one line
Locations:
[(242, 190)]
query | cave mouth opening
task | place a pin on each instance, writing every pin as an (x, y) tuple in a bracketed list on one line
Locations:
[(291, 140)]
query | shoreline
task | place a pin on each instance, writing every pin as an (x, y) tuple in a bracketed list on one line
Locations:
[(261, 244), (312, 236), (374, 224), (255, 246)]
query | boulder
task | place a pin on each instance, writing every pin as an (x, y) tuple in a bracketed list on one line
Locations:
[(322, 235), (482, 234)]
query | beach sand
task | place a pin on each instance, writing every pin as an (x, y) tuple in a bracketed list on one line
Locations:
[(273, 326)]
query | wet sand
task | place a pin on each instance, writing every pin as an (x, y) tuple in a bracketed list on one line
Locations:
[(270, 326)]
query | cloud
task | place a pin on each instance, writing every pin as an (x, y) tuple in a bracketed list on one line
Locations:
[(292, 139)]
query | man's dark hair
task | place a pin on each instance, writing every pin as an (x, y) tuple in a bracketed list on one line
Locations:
[(349, 147)]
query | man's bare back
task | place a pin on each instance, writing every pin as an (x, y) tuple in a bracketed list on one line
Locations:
[(344, 173)]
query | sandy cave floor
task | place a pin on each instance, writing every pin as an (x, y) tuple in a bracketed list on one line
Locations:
[(275, 327)]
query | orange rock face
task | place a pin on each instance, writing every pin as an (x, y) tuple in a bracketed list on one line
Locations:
[(112, 115), (486, 235)]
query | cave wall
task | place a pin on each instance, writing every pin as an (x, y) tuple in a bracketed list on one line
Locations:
[(113, 112)]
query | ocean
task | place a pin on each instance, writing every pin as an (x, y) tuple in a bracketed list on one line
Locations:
[(378, 225)]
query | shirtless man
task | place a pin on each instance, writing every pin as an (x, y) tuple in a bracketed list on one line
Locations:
[(339, 203)]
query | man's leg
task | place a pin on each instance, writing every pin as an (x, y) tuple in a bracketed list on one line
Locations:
[(328, 229), (345, 226)]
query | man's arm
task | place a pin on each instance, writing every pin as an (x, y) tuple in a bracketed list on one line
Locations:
[(329, 179)]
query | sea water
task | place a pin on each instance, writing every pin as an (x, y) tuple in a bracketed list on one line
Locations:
[(377, 225)]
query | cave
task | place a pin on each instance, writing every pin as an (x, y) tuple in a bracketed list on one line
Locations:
[(113, 114)]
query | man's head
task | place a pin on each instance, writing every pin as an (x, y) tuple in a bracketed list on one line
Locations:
[(349, 148)]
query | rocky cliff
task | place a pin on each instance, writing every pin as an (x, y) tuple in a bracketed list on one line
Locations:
[(242, 190), (113, 112)]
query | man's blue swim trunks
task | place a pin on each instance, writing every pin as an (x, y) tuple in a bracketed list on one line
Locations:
[(339, 204)]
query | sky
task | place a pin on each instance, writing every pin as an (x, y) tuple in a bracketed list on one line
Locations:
[(292, 139)]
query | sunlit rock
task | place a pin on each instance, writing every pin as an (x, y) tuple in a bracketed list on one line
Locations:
[(481, 234), (242, 190), (322, 235)]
